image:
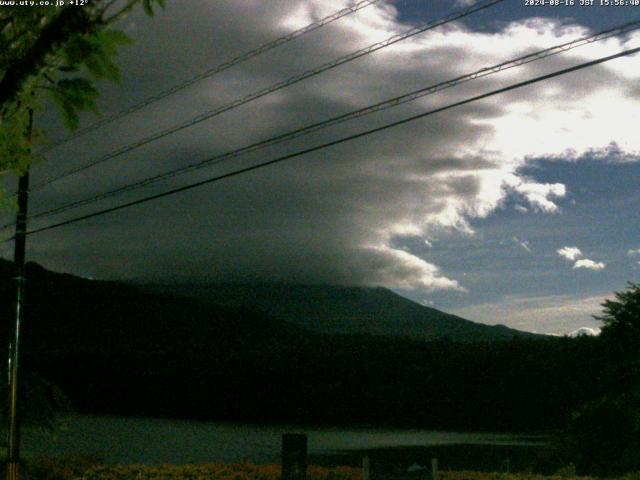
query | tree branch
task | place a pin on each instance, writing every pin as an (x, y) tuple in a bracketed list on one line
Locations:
[(70, 21), (123, 11)]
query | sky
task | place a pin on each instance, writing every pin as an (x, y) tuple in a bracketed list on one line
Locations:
[(518, 209)]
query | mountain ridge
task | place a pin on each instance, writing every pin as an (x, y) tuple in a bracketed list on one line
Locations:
[(324, 309), (333, 309)]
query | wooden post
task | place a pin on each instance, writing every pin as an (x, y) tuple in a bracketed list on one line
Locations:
[(366, 468), (294, 456), (434, 469)]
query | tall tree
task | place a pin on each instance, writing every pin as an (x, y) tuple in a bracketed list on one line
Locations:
[(605, 430), (621, 317)]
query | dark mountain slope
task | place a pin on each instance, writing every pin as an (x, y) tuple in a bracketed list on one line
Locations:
[(349, 310), (113, 317), (118, 349)]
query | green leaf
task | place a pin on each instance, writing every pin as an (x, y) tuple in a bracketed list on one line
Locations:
[(70, 116), (78, 49), (68, 69), (147, 5), (15, 146), (112, 39), (72, 96), (91, 50), (148, 8)]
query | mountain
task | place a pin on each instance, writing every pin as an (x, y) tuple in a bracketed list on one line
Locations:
[(114, 348), (238, 311), (119, 349), (111, 317), (332, 309), (585, 332)]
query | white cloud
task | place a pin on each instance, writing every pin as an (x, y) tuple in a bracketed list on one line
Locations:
[(521, 209), (589, 264), (538, 195), (631, 252), (552, 314), (464, 3), (570, 253), (402, 269), (574, 253), (522, 243)]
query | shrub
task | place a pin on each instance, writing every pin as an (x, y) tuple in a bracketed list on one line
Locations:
[(83, 468), (61, 468)]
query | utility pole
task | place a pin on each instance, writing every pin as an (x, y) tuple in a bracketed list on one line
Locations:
[(13, 430)]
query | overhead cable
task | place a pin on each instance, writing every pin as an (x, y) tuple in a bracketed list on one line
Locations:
[(243, 57), (380, 106), (271, 89), (335, 142)]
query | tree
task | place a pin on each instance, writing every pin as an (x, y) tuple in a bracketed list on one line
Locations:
[(60, 50), (621, 317), (604, 432)]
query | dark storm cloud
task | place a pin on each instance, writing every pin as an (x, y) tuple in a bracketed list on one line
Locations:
[(330, 216)]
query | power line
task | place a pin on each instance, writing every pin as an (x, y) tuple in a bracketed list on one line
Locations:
[(273, 88), (215, 70), (380, 106), (336, 142)]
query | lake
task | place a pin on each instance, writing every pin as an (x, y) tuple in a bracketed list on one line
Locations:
[(156, 441)]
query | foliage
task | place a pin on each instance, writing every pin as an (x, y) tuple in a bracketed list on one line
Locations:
[(62, 468), (606, 434), (632, 476), (621, 317), (15, 145), (60, 50), (603, 434), (43, 403), (88, 469), (470, 475), (567, 471)]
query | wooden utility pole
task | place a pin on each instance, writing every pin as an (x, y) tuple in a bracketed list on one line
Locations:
[(13, 430)]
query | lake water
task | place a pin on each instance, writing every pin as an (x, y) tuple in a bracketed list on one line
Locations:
[(156, 441)]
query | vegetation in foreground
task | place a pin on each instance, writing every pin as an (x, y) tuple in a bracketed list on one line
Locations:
[(82, 468)]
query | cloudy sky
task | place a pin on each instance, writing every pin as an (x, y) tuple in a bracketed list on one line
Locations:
[(518, 209)]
